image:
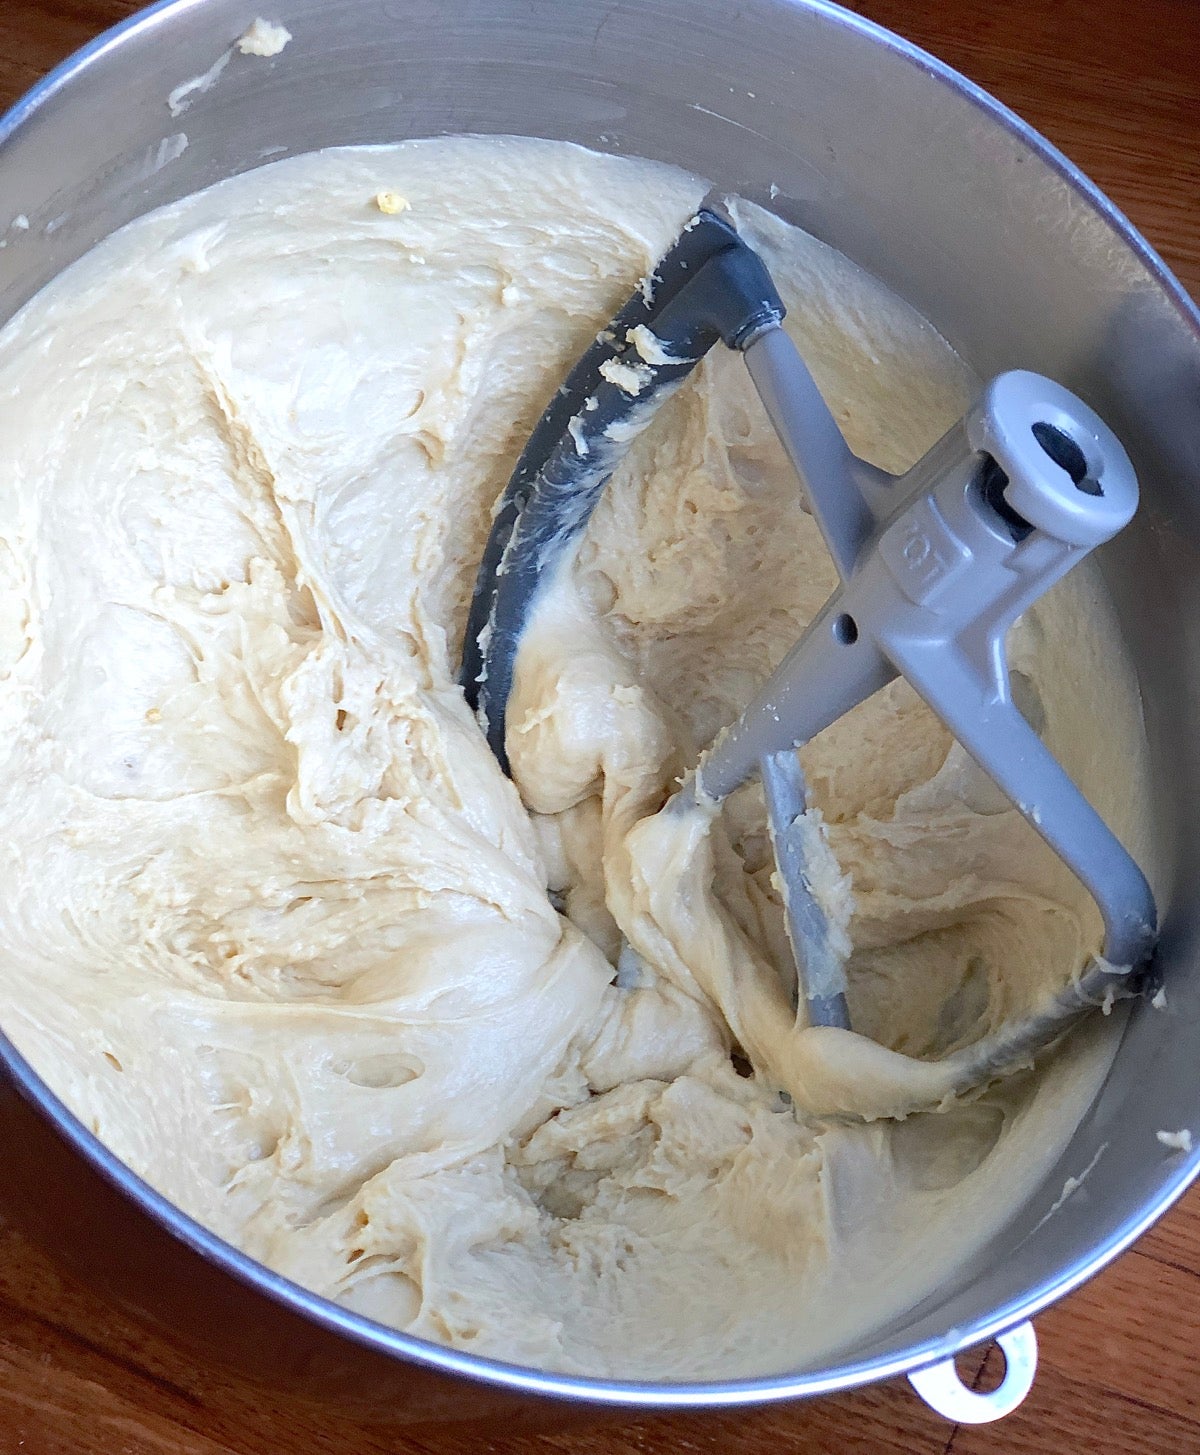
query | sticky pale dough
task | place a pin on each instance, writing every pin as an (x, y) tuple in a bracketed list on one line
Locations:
[(281, 933)]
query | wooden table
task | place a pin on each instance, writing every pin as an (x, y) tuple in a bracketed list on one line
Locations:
[(1118, 88)]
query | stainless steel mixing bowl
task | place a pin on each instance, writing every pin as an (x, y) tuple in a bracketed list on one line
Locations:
[(924, 180)]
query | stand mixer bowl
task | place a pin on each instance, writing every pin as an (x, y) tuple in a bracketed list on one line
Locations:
[(916, 175)]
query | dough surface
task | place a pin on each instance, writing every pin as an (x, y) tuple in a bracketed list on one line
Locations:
[(279, 930)]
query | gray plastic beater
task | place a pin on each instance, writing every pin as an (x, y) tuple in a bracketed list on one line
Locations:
[(935, 566)]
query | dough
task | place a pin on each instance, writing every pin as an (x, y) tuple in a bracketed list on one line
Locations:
[(279, 930)]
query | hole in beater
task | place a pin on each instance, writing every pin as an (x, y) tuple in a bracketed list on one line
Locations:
[(1067, 455), (845, 629)]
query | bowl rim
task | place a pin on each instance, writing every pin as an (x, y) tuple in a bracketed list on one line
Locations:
[(633, 1394)]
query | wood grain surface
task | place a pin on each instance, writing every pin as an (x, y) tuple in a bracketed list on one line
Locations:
[(1117, 87)]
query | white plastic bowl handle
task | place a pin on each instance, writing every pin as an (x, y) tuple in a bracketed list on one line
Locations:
[(944, 1392)]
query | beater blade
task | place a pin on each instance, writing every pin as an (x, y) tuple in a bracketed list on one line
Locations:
[(935, 566)]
